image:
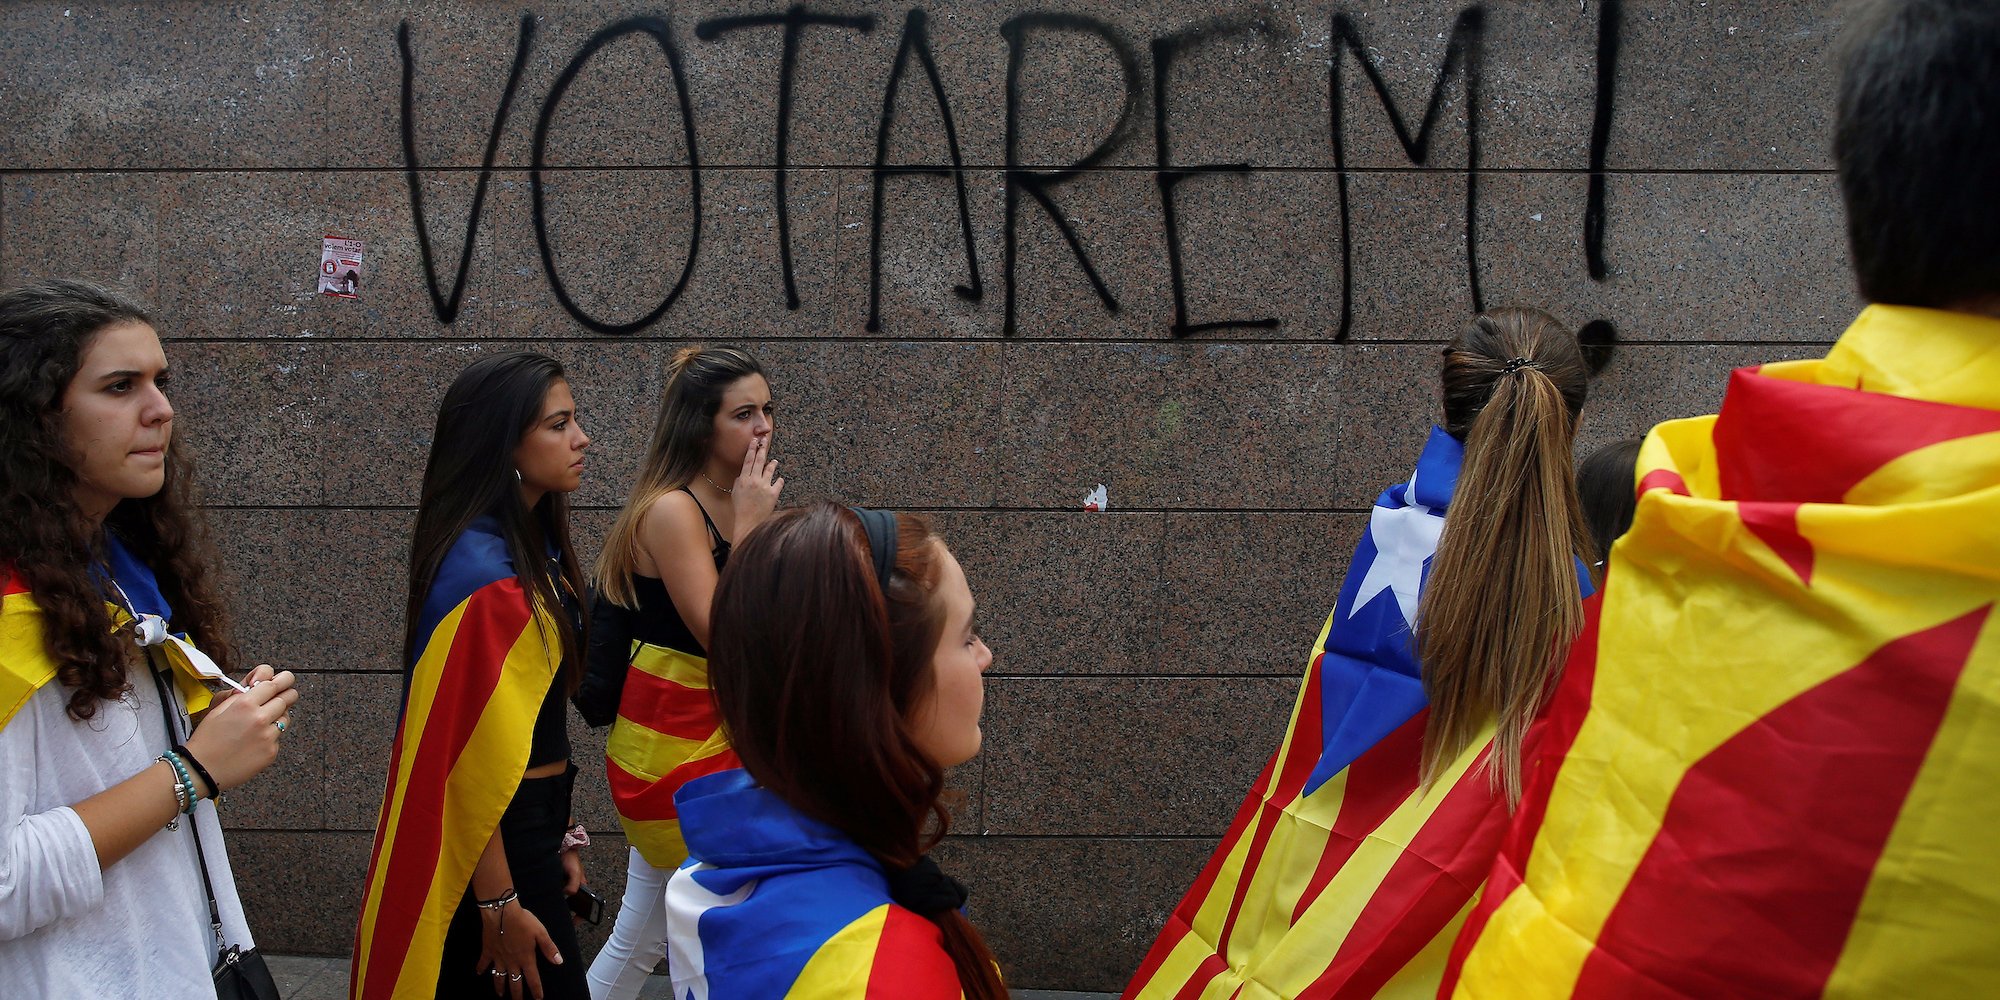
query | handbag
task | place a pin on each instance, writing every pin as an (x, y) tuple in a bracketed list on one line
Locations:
[(239, 974)]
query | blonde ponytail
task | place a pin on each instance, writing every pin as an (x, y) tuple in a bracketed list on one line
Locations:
[(1502, 601)]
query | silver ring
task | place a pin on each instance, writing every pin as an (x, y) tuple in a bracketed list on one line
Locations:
[(497, 973), (280, 724), (513, 977)]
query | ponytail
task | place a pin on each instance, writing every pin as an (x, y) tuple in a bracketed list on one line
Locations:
[(1502, 602)]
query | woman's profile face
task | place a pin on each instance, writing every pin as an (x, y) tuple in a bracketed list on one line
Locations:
[(946, 719), (116, 418), (550, 455), (744, 415)]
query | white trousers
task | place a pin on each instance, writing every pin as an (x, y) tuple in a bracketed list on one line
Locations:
[(638, 936)]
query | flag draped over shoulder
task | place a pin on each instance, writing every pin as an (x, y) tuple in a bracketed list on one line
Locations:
[(1338, 876), (667, 733), (774, 905), (25, 663), (1770, 768), (468, 719)]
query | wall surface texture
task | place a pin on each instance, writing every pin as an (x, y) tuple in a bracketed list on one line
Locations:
[(993, 255)]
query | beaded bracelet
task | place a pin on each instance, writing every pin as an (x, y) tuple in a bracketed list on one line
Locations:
[(193, 794), (181, 792)]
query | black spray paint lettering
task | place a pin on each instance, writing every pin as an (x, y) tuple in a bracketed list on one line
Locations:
[(446, 305), (1170, 177), (662, 33), (1036, 183), (1461, 60), (1461, 55), (795, 20), (916, 41)]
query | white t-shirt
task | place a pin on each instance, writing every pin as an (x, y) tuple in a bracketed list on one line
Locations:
[(69, 929)]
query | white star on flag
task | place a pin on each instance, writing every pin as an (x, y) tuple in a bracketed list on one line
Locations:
[(1404, 537)]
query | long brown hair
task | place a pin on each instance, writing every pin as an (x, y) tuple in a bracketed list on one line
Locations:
[(485, 414), (1502, 602), (816, 669), (696, 380), (46, 539)]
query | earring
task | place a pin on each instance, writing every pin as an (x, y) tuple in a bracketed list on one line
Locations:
[(517, 476)]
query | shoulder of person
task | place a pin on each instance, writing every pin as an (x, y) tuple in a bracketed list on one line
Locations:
[(913, 948), (674, 510)]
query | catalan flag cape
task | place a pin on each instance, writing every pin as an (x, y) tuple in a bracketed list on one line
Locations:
[(774, 904), (667, 733), (25, 663), (468, 719), (1338, 876), (1771, 766)]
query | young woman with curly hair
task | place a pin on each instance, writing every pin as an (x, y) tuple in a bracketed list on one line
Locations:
[(114, 881)]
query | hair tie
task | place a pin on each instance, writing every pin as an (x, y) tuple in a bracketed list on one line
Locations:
[(881, 528), (1515, 365), (924, 889)]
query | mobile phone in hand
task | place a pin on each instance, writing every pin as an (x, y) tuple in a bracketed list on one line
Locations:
[(587, 906)]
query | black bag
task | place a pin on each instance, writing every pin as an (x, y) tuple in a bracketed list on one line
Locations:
[(239, 974)]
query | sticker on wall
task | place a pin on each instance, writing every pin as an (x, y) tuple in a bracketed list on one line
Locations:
[(340, 267)]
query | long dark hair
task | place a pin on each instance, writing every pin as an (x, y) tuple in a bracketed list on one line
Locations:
[(1606, 490), (488, 409), (1502, 601), (46, 539), (696, 380), (816, 669)]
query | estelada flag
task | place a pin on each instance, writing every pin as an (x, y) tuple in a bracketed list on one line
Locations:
[(1771, 766), (25, 663), (667, 734), (1339, 876), (468, 719), (775, 905)]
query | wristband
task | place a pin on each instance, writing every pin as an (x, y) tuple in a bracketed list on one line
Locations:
[(200, 771), (498, 902)]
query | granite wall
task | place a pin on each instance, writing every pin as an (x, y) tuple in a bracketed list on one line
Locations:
[(1200, 252)]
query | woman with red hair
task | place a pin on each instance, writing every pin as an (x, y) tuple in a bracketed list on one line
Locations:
[(848, 673)]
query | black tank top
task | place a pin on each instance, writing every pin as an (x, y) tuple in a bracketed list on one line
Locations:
[(550, 741), (655, 622)]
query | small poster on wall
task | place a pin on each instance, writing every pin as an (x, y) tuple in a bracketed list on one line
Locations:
[(339, 267)]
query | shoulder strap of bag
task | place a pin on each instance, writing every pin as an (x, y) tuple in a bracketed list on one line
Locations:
[(174, 735)]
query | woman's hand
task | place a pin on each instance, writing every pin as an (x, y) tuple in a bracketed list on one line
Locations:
[(755, 494), (508, 941), (238, 738)]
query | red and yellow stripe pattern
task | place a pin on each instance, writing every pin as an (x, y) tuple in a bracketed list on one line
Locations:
[(1769, 769), (667, 734), (1353, 890), (25, 664), (468, 721)]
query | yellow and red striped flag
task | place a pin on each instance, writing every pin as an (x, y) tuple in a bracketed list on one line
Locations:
[(667, 734), (1339, 876), (468, 719), (1770, 768), (25, 663)]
